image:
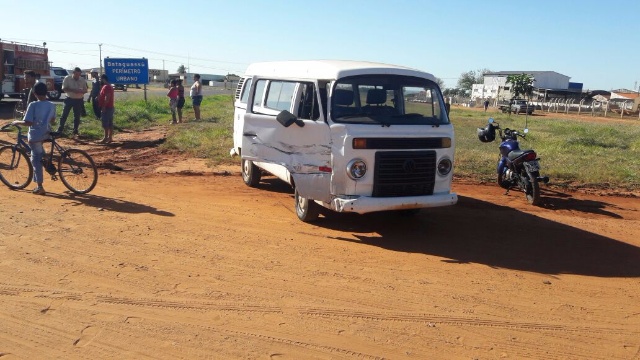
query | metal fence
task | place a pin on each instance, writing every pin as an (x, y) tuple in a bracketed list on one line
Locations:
[(601, 108)]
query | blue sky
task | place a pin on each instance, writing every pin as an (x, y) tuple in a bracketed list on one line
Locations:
[(592, 42)]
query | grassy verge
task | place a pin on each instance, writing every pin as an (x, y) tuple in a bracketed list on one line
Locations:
[(130, 114), (572, 152), (210, 138)]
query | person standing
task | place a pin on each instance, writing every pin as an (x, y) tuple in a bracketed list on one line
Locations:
[(96, 85), (28, 95), (486, 105), (180, 104), (75, 87), (196, 95), (39, 117), (173, 100), (107, 108)]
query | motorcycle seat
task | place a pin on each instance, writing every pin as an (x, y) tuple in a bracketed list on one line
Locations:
[(518, 153)]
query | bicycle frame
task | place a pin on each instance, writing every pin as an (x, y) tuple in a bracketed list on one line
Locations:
[(21, 143), (47, 160)]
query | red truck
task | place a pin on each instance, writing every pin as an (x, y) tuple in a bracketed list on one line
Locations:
[(15, 59)]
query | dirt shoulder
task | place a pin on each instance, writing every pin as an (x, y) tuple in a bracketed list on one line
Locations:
[(169, 259)]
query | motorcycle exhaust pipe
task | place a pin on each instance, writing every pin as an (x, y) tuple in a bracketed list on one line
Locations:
[(544, 179)]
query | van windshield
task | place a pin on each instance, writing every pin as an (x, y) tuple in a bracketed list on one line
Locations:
[(387, 100)]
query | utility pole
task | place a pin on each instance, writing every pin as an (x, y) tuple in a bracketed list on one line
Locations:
[(100, 47)]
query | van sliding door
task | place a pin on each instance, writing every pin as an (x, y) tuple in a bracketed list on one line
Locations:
[(303, 147)]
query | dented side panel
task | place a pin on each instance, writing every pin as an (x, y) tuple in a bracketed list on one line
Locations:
[(304, 151)]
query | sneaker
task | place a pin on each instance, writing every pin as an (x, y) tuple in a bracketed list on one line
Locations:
[(39, 190)]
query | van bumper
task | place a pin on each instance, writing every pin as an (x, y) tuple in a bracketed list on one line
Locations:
[(366, 204)]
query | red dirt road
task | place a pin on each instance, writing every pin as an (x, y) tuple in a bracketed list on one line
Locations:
[(154, 265)]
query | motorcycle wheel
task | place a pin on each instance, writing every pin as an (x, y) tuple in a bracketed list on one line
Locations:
[(501, 182), (532, 190)]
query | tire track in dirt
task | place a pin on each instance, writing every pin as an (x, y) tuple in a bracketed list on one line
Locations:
[(194, 305)]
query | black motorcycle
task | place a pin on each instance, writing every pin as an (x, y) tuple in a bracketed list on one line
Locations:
[(516, 168)]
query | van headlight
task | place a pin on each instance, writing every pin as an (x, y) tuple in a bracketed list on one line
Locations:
[(356, 169), (444, 166)]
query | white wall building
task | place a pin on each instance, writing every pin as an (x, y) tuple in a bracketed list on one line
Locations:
[(495, 83)]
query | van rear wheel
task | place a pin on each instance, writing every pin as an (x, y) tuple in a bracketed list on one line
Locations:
[(306, 209), (54, 95), (250, 173)]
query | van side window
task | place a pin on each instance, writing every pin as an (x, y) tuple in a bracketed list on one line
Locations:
[(259, 93), (308, 106), (280, 95), (322, 90), (245, 91)]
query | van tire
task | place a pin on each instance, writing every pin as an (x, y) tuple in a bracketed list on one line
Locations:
[(306, 209), (54, 94), (251, 174)]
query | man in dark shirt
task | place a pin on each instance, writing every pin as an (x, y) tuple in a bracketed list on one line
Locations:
[(95, 91)]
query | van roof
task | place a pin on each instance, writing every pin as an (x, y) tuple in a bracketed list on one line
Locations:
[(329, 69)]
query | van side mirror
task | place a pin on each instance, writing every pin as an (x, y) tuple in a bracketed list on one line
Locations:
[(285, 118)]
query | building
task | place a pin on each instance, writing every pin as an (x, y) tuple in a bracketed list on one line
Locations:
[(545, 83), (624, 98), (205, 79), (157, 75)]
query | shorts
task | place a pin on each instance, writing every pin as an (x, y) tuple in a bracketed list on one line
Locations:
[(107, 117), (180, 103), (197, 100), (173, 104)]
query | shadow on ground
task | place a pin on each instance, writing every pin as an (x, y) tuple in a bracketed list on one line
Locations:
[(110, 204), (475, 231)]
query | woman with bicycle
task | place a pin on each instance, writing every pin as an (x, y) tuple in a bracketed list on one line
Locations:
[(39, 117)]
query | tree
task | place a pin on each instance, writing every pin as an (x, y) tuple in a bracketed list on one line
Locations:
[(181, 69), (521, 84), (467, 79), (440, 82)]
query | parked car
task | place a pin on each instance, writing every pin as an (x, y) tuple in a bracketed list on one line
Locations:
[(122, 87), (58, 74), (521, 106)]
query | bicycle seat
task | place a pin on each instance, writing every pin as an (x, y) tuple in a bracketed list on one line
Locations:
[(55, 134)]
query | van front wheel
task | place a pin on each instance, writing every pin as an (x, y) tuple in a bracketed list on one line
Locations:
[(306, 209), (250, 173)]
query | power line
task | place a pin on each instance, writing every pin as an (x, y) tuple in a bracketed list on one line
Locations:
[(138, 51)]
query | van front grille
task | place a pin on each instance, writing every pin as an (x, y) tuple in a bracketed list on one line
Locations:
[(407, 143), (404, 173)]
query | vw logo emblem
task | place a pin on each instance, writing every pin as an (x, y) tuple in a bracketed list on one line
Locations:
[(409, 166)]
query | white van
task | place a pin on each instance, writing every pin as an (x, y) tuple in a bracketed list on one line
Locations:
[(349, 136)]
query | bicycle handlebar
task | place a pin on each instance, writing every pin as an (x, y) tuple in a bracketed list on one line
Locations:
[(6, 126)]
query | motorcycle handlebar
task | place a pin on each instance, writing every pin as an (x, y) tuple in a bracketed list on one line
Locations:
[(508, 133)]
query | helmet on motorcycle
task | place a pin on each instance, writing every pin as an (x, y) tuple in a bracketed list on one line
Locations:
[(487, 134)]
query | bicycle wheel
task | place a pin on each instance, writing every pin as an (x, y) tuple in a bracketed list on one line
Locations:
[(77, 171), (18, 111), (15, 168)]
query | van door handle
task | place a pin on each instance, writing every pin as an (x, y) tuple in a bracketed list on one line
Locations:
[(249, 134)]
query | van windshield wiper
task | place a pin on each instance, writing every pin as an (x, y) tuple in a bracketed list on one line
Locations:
[(350, 116), (410, 115)]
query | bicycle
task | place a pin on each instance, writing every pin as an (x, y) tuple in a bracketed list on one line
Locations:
[(76, 168), (19, 110)]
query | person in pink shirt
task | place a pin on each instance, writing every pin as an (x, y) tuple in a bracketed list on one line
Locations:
[(173, 99), (106, 102)]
